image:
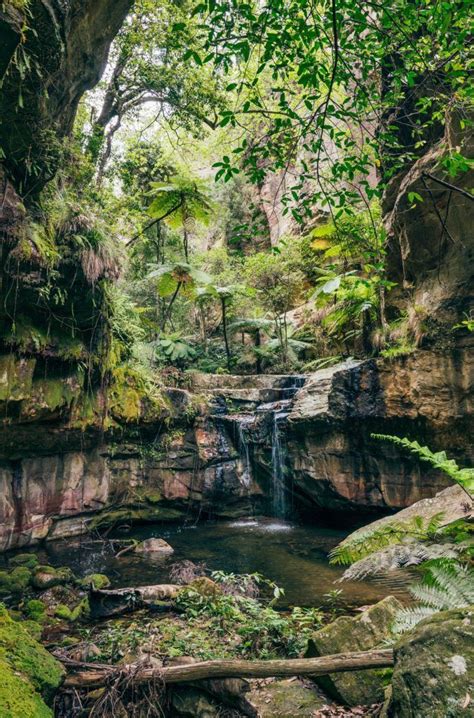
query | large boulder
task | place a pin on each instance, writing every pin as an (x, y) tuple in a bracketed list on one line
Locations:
[(281, 699), (190, 702), (434, 668), (358, 633), (154, 545)]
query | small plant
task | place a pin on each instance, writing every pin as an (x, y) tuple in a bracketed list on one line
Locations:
[(175, 348)]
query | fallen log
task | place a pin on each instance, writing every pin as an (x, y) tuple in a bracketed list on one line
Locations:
[(99, 675), (105, 603)]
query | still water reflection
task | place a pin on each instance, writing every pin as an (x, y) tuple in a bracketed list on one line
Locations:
[(293, 556)]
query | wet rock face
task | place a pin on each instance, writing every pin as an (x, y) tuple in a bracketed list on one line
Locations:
[(197, 469), (434, 668), (56, 480), (335, 462)]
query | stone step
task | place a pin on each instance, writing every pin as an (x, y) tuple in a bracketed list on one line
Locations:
[(199, 381)]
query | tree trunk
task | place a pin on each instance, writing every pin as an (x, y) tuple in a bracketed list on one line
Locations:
[(224, 330), (170, 305), (98, 675), (258, 344)]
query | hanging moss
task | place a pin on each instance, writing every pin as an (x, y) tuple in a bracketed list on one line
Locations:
[(16, 376)]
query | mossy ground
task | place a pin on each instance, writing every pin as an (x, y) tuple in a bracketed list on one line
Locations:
[(28, 673)]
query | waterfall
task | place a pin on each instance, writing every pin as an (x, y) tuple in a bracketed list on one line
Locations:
[(279, 493), (255, 411), (245, 450)]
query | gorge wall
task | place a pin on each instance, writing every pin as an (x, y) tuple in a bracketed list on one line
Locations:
[(188, 461)]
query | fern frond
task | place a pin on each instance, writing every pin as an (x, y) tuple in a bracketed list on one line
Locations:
[(455, 580), (363, 543), (463, 477), (407, 618), (433, 597), (445, 586), (399, 556)]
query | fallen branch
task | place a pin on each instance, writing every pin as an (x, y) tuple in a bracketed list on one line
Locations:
[(98, 675), (105, 603)]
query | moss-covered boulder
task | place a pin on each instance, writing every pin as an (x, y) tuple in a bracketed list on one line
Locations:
[(154, 545), (82, 610), (35, 609), (18, 698), (205, 587), (434, 668), (30, 560), (98, 580), (282, 699), (193, 703), (359, 633), (15, 581), (29, 675), (46, 576)]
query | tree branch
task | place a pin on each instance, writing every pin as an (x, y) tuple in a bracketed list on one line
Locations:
[(97, 675), (152, 223), (449, 186)]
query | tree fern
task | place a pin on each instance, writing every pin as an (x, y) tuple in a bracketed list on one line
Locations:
[(464, 477)]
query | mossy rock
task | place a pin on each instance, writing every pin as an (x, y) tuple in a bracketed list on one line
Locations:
[(98, 580), (27, 669), (18, 698), (359, 633), (16, 581), (82, 610), (134, 514), (434, 668), (205, 586), (193, 703), (282, 699), (30, 560), (34, 628), (35, 609), (46, 576), (63, 612), (153, 497)]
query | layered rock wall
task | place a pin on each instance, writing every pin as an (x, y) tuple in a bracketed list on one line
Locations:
[(426, 396)]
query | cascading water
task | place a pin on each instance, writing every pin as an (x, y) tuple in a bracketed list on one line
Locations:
[(258, 425), (244, 449), (279, 489)]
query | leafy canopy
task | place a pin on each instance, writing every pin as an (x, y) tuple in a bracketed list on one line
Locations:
[(331, 88)]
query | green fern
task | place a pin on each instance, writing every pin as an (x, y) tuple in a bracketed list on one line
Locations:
[(365, 543), (409, 553), (446, 585), (463, 477)]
